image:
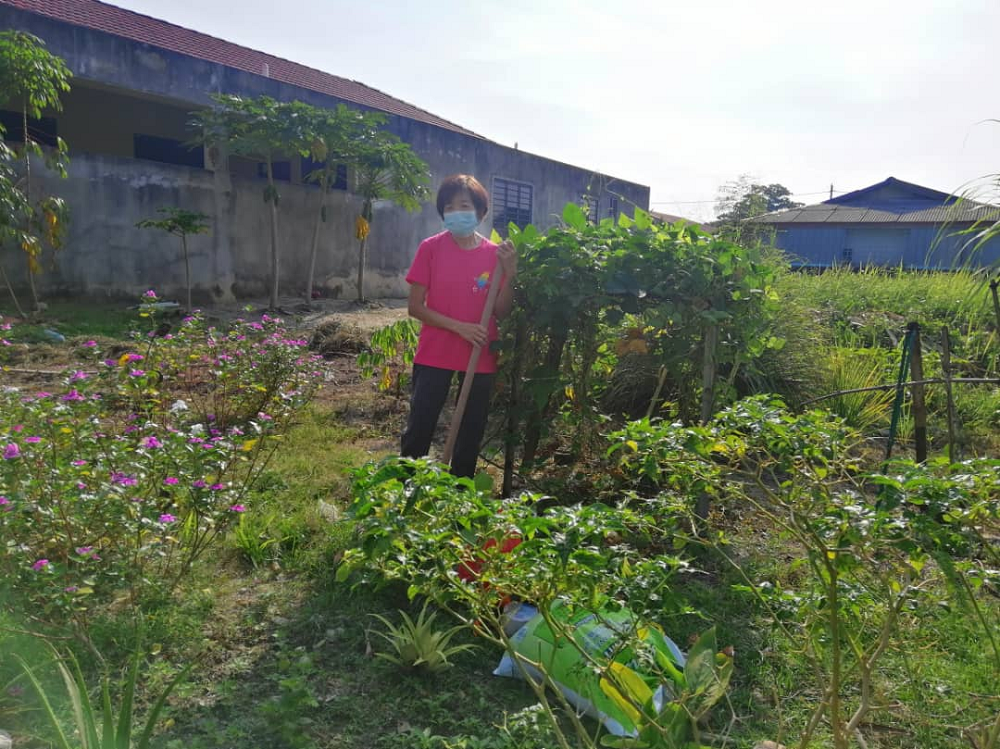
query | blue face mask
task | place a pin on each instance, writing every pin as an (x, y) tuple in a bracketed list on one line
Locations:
[(461, 223)]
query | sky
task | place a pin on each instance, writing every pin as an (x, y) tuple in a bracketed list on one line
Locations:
[(681, 96)]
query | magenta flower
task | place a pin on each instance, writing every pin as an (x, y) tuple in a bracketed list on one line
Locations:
[(79, 462), (41, 564), (80, 485), (136, 373), (167, 518), (33, 440), (43, 394), (199, 484), (123, 479), (136, 357), (73, 395), (90, 344), (70, 589), (12, 451), (78, 375), (84, 550), (237, 508), (4, 501), (18, 428), (218, 487), (110, 363), (152, 443), (170, 480), (149, 294)]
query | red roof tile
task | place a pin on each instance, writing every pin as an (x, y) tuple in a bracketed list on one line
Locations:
[(141, 28)]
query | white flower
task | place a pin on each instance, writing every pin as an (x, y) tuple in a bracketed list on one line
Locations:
[(178, 407)]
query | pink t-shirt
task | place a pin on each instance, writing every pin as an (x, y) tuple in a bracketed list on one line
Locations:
[(457, 282)]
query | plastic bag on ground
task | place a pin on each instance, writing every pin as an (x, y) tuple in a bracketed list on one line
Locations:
[(601, 634)]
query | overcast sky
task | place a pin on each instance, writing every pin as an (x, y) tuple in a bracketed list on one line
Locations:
[(681, 96)]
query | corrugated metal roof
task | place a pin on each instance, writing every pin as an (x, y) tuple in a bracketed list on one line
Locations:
[(889, 202), (147, 30)]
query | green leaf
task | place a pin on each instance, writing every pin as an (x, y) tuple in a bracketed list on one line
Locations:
[(642, 219), (49, 712), (574, 217)]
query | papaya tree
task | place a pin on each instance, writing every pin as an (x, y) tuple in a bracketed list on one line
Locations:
[(261, 129), (331, 137), (385, 169), (31, 81), (181, 224)]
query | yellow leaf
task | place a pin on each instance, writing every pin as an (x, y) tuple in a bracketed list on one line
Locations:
[(634, 445), (84, 591), (638, 692), (830, 554), (66, 430), (248, 445), (361, 227), (123, 360), (570, 393)]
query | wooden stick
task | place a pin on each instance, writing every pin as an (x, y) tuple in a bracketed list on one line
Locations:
[(710, 337), (918, 407), (470, 371), (946, 368)]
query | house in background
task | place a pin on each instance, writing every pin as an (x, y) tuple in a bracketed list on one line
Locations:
[(892, 223), (136, 81)]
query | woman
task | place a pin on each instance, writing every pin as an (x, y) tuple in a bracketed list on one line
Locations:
[(449, 281)]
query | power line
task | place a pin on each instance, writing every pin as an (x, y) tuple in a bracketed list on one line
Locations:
[(695, 202)]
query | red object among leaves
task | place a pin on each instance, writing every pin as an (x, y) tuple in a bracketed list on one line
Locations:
[(469, 571)]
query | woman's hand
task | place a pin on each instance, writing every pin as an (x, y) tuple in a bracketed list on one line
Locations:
[(472, 332), (507, 257)]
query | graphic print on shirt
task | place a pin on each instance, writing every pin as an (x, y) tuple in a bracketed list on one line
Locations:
[(481, 282)]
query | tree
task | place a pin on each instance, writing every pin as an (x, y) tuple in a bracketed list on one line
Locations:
[(386, 169), (181, 224), (332, 137), (261, 129), (31, 79), (742, 200)]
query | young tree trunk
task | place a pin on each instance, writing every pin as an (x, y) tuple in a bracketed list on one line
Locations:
[(315, 241), (533, 431), (362, 259), (187, 270), (13, 296), (272, 198), (27, 197)]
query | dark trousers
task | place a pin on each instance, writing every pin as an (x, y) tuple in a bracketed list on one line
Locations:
[(430, 390)]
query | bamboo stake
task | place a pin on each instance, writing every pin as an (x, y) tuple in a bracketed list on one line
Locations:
[(996, 301), (707, 398), (953, 452), (470, 371), (918, 407)]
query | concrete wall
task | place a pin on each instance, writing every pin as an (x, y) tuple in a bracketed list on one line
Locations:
[(107, 255), (124, 87), (923, 246)]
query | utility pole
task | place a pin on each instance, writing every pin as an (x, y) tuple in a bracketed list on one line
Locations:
[(831, 191)]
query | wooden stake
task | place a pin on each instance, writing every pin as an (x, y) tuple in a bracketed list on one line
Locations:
[(708, 373), (946, 369), (470, 371), (996, 301), (918, 407)]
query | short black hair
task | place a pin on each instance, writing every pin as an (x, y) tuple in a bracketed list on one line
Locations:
[(455, 184)]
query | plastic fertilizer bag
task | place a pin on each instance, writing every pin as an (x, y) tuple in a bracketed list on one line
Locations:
[(601, 635)]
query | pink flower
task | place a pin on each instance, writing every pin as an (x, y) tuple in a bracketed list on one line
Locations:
[(33, 440), (152, 443), (78, 375), (70, 589), (149, 294), (122, 479), (218, 487), (90, 344), (19, 428), (237, 508), (170, 480), (41, 564), (84, 550), (80, 485), (73, 395), (4, 501), (79, 462), (136, 373), (43, 394), (12, 451), (167, 518), (199, 484), (136, 357)]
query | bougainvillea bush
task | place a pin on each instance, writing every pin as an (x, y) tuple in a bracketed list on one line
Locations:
[(114, 481)]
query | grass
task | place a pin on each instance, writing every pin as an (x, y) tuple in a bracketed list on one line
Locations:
[(74, 319)]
